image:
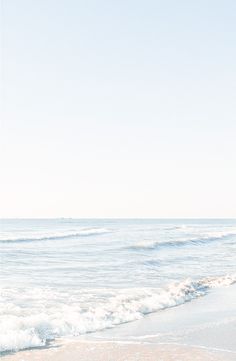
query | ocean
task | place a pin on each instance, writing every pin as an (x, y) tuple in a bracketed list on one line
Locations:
[(69, 277)]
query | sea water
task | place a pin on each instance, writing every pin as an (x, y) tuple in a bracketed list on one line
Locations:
[(68, 277)]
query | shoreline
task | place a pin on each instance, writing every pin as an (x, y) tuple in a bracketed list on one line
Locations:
[(192, 331), (120, 351)]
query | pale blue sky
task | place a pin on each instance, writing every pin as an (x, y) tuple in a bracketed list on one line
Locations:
[(118, 108)]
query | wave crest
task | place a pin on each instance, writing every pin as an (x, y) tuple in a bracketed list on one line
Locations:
[(204, 239), (54, 235)]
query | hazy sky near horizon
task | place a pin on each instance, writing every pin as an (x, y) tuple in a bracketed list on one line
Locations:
[(118, 108)]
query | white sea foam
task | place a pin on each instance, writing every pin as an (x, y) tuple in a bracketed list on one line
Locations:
[(44, 236), (30, 319)]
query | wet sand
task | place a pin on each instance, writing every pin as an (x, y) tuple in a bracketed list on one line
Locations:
[(111, 351), (208, 322)]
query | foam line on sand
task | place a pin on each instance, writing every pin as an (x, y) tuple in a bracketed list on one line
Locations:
[(119, 351)]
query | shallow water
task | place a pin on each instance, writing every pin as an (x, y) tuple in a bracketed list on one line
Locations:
[(67, 277)]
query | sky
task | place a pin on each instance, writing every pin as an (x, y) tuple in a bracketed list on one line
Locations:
[(118, 108)]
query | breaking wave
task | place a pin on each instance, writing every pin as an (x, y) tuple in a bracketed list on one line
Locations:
[(30, 319), (53, 235), (206, 238)]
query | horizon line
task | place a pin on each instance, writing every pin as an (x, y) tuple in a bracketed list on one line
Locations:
[(121, 218)]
